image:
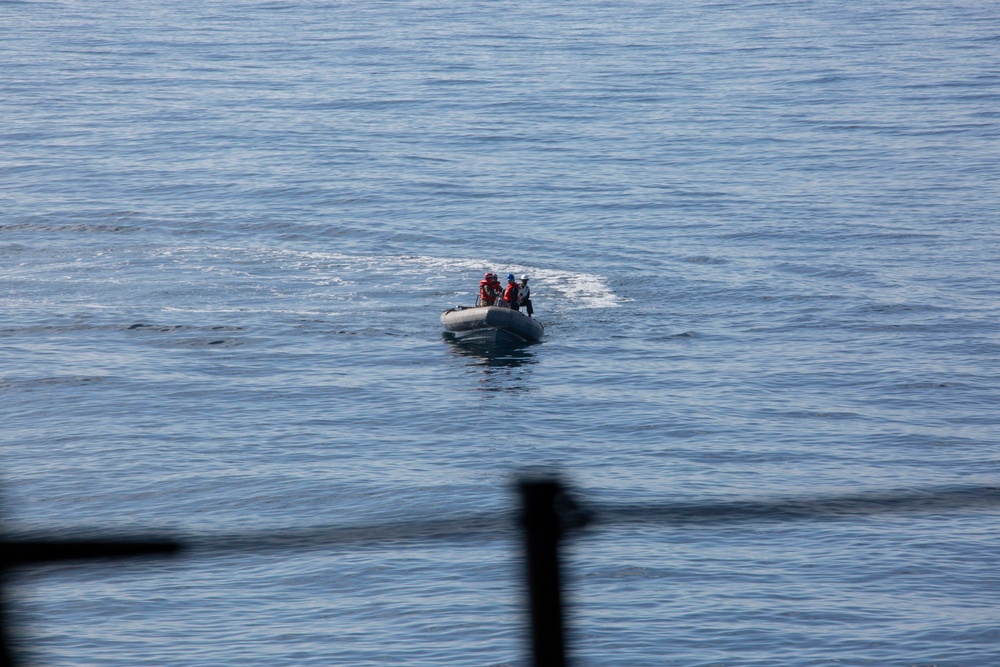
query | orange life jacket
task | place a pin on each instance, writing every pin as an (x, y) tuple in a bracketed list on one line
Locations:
[(487, 293)]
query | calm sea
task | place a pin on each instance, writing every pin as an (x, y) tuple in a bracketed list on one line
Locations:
[(762, 237)]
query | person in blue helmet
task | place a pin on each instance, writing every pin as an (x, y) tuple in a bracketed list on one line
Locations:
[(511, 293)]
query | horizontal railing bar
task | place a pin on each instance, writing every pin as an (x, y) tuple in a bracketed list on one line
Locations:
[(32, 548), (397, 532), (22, 552), (862, 503)]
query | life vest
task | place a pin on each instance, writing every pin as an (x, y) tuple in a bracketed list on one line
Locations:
[(488, 292), (510, 294)]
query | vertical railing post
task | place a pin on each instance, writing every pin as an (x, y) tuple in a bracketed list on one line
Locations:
[(6, 660), (542, 526)]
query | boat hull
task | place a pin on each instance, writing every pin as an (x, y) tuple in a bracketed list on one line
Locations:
[(490, 324)]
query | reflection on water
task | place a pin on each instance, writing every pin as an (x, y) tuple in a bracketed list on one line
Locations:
[(493, 355), (499, 366)]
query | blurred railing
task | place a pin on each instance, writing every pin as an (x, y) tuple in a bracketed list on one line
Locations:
[(548, 514)]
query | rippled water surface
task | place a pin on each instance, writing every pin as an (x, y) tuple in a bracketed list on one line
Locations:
[(762, 238)]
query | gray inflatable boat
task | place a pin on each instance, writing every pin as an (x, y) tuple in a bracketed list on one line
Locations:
[(491, 324)]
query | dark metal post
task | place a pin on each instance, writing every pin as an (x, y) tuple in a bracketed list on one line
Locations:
[(5, 656), (542, 532)]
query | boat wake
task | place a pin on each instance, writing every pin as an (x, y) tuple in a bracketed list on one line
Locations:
[(420, 274), (190, 285)]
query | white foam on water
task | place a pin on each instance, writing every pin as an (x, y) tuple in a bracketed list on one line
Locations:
[(572, 289), (578, 290)]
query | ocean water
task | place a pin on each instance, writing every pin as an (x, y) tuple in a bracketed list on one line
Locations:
[(762, 238)]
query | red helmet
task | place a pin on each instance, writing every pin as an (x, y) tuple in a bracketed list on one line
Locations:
[(487, 276)]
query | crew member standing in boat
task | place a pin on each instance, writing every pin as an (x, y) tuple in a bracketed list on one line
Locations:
[(510, 295), (524, 296), (489, 290)]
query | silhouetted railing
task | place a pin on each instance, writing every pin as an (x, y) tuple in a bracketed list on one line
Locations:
[(548, 514)]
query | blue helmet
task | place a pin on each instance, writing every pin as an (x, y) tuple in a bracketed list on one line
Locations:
[(510, 276)]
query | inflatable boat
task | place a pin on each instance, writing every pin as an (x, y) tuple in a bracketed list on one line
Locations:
[(491, 324)]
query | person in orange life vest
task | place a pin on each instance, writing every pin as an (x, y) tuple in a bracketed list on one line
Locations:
[(497, 289), (489, 290), (510, 295)]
